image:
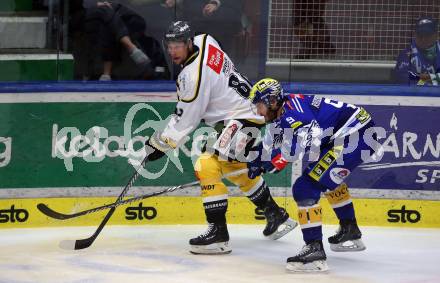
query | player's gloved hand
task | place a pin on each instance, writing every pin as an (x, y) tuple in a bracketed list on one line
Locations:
[(254, 172), (153, 148), (254, 168), (274, 166), (268, 167)]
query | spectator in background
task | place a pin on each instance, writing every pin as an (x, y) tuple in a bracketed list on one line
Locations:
[(419, 63), (219, 18), (158, 14), (310, 28), (113, 26)]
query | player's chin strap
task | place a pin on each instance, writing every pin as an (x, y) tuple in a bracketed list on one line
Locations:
[(57, 215)]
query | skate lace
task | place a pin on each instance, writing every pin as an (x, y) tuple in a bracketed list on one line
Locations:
[(305, 250), (211, 227), (271, 216)]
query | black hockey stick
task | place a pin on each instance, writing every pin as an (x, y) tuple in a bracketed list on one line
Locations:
[(87, 242), (84, 243), (61, 216)]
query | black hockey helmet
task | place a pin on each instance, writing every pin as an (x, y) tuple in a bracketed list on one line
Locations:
[(179, 31)]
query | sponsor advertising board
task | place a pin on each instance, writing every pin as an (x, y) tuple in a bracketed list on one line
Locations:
[(88, 144)]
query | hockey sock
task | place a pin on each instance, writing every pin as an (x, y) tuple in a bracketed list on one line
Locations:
[(260, 195), (215, 209), (310, 220), (341, 203)]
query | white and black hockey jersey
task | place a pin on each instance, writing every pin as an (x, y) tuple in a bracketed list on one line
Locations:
[(209, 88)]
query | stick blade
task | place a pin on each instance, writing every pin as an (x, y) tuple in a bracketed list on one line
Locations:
[(52, 213), (84, 243), (67, 245), (72, 245)]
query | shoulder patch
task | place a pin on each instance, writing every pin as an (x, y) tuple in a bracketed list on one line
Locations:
[(316, 102), (215, 58)]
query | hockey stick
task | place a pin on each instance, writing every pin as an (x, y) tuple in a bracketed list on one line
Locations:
[(81, 244), (87, 242), (61, 216)]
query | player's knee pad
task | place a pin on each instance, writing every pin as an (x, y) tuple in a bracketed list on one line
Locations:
[(339, 197), (305, 188)]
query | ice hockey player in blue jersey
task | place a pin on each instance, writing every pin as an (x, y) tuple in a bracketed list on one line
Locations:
[(337, 137)]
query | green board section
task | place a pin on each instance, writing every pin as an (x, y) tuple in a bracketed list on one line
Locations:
[(15, 5), (33, 152), (35, 70)]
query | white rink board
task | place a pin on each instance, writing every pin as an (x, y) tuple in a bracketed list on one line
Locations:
[(160, 254)]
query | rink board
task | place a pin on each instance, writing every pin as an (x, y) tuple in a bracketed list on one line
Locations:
[(65, 140), (22, 213), (48, 151)]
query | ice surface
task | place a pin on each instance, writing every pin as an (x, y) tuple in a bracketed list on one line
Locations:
[(160, 254)]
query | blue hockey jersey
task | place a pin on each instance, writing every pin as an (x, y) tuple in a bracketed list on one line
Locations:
[(310, 121), (411, 63)]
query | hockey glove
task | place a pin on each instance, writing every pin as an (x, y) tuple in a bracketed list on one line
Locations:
[(256, 168), (152, 150)]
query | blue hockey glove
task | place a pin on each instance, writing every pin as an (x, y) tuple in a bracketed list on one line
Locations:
[(254, 169)]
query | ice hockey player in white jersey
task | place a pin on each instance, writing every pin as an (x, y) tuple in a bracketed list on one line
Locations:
[(209, 88)]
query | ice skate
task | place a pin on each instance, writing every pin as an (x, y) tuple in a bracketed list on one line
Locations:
[(311, 258), (347, 238), (213, 241), (278, 223)]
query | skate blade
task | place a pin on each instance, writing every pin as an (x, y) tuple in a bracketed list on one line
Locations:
[(348, 246), (212, 249), (283, 229), (315, 266)]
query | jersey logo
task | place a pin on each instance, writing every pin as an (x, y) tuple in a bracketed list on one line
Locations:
[(316, 102), (215, 58)]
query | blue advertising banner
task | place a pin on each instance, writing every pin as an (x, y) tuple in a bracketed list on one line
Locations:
[(411, 150)]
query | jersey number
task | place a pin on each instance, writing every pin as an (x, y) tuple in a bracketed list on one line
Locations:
[(240, 84), (338, 104)]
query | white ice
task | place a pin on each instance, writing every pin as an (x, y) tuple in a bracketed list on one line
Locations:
[(160, 254)]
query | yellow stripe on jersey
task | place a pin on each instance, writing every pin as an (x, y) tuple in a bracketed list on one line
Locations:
[(199, 77), (324, 163)]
